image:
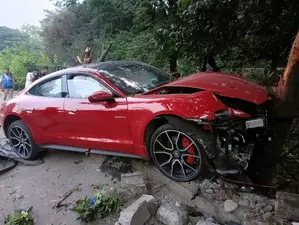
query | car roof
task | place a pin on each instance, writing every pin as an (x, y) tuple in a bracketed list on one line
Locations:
[(109, 64), (96, 67), (88, 68)]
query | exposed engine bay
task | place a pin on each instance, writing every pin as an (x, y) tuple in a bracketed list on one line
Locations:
[(236, 130)]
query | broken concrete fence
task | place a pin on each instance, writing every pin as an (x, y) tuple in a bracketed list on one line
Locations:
[(139, 211), (287, 206)]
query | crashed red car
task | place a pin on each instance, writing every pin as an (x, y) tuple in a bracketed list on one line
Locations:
[(132, 109)]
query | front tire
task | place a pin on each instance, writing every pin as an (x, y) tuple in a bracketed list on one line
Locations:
[(21, 140), (177, 153)]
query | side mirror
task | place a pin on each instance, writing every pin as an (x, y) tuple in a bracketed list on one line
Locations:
[(101, 96), (175, 75)]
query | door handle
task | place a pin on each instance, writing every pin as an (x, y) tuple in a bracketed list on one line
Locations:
[(72, 111)]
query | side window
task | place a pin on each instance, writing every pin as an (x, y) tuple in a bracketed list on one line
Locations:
[(51, 88), (81, 86)]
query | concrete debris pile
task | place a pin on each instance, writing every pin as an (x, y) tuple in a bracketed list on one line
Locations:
[(227, 203)]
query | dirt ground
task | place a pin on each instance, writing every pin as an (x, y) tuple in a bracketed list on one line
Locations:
[(39, 186)]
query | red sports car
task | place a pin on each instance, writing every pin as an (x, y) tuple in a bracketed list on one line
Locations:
[(133, 109)]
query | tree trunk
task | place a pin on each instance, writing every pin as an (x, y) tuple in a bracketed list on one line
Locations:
[(104, 52), (273, 66), (266, 154), (213, 64), (173, 62), (204, 65)]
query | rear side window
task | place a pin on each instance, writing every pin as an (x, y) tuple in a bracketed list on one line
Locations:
[(51, 88)]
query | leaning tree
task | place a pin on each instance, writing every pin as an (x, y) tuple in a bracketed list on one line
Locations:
[(268, 152)]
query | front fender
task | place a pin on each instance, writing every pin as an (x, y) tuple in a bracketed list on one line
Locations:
[(143, 109), (201, 105)]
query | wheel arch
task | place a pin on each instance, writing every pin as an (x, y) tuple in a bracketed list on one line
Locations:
[(160, 120), (9, 120)]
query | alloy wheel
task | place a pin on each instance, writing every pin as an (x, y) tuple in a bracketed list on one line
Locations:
[(177, 155), (20, 141)]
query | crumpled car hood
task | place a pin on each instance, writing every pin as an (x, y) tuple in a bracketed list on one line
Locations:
[(227, 85)]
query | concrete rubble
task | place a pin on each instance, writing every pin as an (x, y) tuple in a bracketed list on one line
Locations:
[(172, 214), (134, 183), (135, 214), (230, 205), (226, 202), (287, 206), (209, 221)]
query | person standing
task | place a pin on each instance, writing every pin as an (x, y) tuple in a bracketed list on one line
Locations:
[(45, 71), (7, 84), (29, 78)]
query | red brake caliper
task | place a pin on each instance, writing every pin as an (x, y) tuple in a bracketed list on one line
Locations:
[(185, 143)]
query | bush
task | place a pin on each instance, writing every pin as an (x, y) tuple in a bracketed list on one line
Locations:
[(19, 218), (100, 205)]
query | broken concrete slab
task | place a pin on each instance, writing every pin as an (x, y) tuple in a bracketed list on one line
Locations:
[(267, 216), (152, 203), (134, 182), (206, 207), (230, 205), (253, 222), (244, 203), (183, 190), (287, 206), (209, 221), (135, 214), (171, 214), (268, 208), (226, 217)]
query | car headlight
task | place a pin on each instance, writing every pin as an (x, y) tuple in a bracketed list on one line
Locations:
[(220, 114), (198, 120)]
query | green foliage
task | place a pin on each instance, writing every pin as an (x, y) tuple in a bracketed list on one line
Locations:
[(20, 58), (102, 204), (9, 37), (33, 38), (19, 218), (224, 34), (21, 50), (263, 78)]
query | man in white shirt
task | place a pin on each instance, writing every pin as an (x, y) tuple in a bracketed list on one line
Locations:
[(29, 79)]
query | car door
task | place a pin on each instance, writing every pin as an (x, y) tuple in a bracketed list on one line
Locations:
[(98, 126), (42, 110)]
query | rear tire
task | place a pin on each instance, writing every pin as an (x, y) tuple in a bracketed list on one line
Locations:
[(21, 140), (173, 158)]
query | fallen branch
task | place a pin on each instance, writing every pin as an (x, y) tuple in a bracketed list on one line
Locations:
[(104, 52), (66, 195)]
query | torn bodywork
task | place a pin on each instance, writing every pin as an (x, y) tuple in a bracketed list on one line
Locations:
[(236, 128)]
